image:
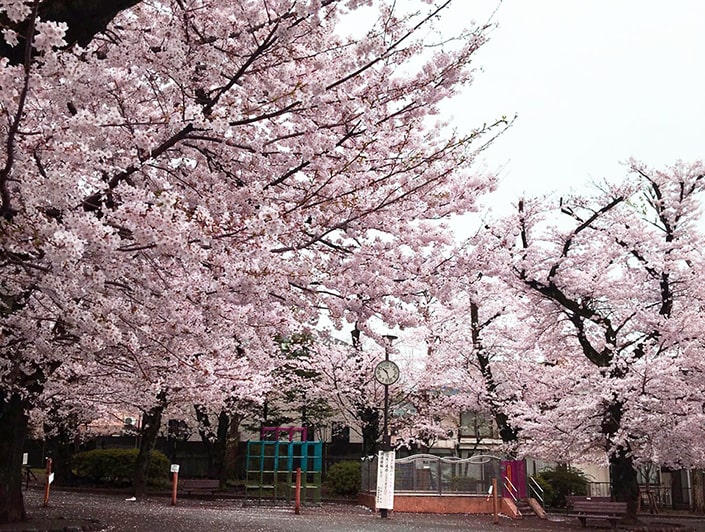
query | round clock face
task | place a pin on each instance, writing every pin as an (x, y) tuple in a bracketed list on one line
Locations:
[(387, 372)]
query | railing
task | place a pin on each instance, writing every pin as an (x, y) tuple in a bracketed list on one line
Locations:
[(536, 489), (661, 496), (511, 488), (598, 489), (656, 496), (430, 474)]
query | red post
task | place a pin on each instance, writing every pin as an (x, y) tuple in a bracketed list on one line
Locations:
[(174, 486), (297, 504), (495, 501), (47, 483)]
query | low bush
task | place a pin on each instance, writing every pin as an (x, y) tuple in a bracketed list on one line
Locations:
[(117, 466), (343, 478), (563, 480)]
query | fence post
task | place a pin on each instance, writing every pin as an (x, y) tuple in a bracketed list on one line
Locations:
[(440, 477)]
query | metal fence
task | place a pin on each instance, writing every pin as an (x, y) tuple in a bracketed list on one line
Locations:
[(656, 495), (598, 489), (426, 473)]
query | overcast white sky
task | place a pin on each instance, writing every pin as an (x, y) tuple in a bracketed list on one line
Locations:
[(592, 82)]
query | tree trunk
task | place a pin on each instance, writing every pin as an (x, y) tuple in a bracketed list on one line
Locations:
[(151, 423), (221, 444), (698, 476), (232, 448), (205, 432), (214, 442), (61, 447), (623, 479), (508, 433), (13, 427)]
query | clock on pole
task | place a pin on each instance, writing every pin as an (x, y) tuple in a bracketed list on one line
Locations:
[(386, 372)]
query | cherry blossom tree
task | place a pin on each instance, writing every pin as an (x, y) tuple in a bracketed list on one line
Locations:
[(475, 332), (618, 281), (183, 181)]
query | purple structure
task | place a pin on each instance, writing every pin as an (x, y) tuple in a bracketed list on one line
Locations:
[(275, 433), (514, 479)]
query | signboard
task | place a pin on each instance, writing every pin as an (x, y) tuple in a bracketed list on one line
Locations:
[(25, 458), (385, 480), (51, 478), (174, 468)]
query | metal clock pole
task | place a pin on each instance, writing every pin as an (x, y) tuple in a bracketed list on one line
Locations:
[(385, 434), (386, 440)]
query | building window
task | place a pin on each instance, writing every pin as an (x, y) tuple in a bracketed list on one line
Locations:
[(474, 425)]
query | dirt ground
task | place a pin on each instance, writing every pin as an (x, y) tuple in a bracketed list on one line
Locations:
[(91, 512)]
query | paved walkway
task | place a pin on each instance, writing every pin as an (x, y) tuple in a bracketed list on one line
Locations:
[(73, 512)]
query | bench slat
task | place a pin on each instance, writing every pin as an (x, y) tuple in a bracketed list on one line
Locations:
[(600, 506)]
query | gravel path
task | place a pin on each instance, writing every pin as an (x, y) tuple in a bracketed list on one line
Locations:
[(73, 512)]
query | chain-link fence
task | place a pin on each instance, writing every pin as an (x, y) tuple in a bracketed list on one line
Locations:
[(426, 473)]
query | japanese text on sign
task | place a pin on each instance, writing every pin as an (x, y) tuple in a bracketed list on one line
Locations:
[(385, 480)]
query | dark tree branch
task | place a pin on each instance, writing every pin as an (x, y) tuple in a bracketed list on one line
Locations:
[(94, 201), (390, 48), (6, 210), (85, 19)]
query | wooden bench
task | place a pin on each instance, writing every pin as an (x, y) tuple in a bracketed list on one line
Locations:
[(199, 485), (605, 510), (570, 500)]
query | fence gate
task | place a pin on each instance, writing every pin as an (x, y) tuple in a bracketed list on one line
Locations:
[(514, 479)]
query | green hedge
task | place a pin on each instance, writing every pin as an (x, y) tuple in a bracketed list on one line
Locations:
[(117, 466), (344, 478)]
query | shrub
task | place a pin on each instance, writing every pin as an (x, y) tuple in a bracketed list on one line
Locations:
[(117, 466), (343, 478), (563, 480), (549, 496)]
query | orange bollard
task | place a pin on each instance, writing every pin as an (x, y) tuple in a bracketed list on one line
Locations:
[(49, 479), (297, 504), (174, 482), (174, 486)]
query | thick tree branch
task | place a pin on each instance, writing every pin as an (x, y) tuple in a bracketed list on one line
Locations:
[(85, 19), (6, 210), (94, 201)]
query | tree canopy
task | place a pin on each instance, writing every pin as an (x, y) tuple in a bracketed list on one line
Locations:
[(185, 181)]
